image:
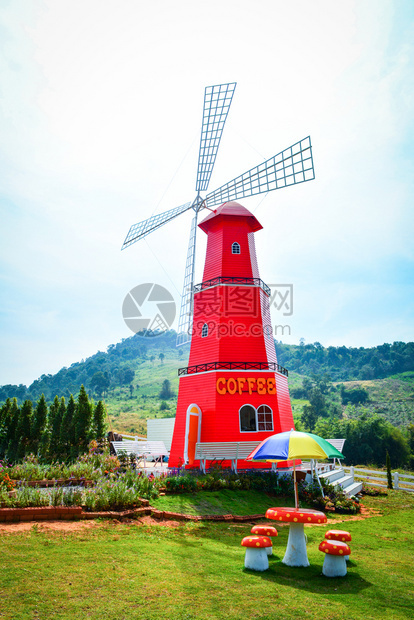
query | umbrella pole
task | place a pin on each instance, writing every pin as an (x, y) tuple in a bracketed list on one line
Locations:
[(295, 485)]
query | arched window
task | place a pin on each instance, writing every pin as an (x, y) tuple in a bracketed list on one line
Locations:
[(204, 330), (235, 248), (264, 418), (248, 419)]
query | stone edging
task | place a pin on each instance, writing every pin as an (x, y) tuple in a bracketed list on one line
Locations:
[(46, 513)]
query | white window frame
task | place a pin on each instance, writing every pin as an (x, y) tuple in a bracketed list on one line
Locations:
[(256, 410), (257, 418), (233, 247), (204, 331)]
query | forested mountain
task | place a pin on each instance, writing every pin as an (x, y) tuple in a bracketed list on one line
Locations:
[(347, 363), (103, 372), (364, 395)]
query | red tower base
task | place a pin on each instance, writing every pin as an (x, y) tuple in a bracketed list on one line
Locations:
[(229, 406)]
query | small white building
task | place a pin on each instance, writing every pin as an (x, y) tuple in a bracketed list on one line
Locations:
[(161, 430)]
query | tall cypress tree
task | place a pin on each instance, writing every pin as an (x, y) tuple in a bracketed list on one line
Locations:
[(4, 426), (83, 418), (11, 431), (39, 422), (56, 427), (23, 435), (99, 425), (67, 429)]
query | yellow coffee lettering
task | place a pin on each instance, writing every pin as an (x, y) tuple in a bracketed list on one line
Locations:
[(221, 390), (261, 386), (251, 383), (271, 386), (240, 383), (231, 386)]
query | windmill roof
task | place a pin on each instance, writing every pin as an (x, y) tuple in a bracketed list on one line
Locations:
[(233, 209)]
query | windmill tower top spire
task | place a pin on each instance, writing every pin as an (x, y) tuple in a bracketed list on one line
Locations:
[(234, 209)]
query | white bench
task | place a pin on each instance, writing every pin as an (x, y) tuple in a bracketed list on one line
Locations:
[(143, 449), (224, 450)]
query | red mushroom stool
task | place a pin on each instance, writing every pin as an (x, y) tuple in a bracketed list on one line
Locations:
[(256, 555), (334, 564), (296, 554), (341, 535), (265, 530)]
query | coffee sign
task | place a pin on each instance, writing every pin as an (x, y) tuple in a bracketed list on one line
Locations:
[(246, 385)]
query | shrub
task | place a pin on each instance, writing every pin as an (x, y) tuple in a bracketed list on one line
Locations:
[(181, 484), (5, 481), (111, 495), (56, 496), (26, 497), (73, 497)]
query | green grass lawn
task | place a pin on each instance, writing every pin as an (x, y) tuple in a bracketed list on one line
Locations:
[(195, 571), (220, 502)]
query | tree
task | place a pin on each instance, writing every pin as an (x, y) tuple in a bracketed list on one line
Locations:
[(356, 396), (161, 356), (166, 391), (317, 401), (39, 422), (99, 424), (129, 376), (5, 421), (56, 425), (82, 420), (11, 434), (67, 428), (100, 381), (309, 417), (24, 430)]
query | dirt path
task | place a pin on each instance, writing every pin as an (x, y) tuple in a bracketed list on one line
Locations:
[(79, 526)]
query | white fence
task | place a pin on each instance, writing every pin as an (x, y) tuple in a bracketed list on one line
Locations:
[(372, 478)]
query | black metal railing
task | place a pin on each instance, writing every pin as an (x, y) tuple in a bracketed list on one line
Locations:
[(232, 280), (190, 370)]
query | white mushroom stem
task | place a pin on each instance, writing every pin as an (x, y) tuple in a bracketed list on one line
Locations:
[(269, 550), (256, 558), (296, 554), (334, 566)]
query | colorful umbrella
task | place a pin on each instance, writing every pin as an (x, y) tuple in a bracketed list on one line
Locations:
[(294, 445)]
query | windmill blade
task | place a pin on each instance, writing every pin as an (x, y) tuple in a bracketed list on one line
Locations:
[(291, 166), (142, 229), (217, 101), (185, 321)]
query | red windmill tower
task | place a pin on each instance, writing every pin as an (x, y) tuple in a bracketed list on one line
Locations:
[(233, 389)]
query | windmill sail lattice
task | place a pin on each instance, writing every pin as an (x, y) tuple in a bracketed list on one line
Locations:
[(217, 101), (289, 167)]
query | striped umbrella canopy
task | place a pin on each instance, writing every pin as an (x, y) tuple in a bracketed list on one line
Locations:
[(294, 445)]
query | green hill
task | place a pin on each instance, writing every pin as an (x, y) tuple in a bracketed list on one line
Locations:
[(130, 376)]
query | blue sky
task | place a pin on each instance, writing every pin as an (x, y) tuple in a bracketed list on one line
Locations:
[(100, 105)]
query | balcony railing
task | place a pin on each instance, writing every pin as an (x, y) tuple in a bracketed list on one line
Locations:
[(232, 280), (191, 370)]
